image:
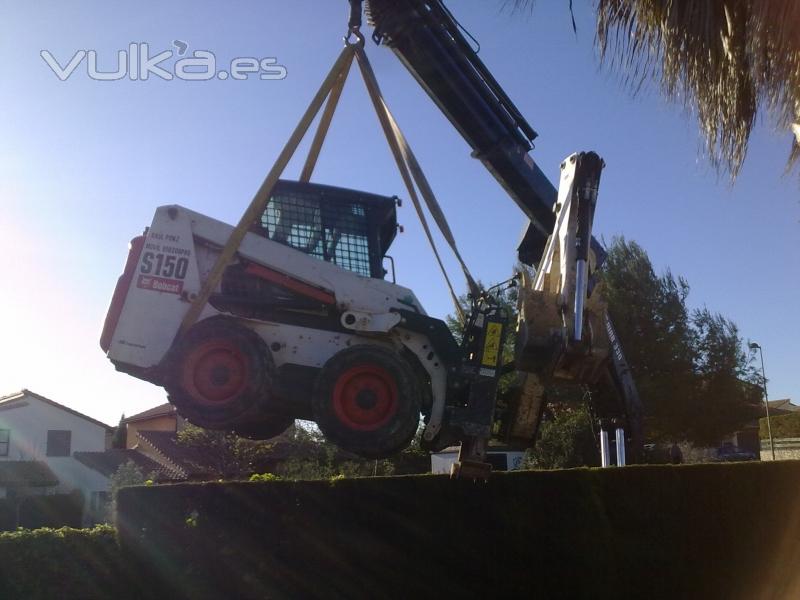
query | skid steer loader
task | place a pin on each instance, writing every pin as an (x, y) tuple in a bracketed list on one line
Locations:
[(303, 324)]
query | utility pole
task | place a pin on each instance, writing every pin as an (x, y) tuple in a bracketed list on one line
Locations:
[(754, 346)]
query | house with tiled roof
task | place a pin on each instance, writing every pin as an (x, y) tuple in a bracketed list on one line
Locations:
[(38, 440), (783, 406), (163, 417), (186, 462), (153, 433), (106, 464)]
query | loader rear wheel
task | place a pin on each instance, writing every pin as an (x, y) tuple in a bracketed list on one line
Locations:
[(219, 375), (367, 401)]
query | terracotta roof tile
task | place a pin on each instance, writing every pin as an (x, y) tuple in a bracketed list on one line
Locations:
[(783, 405), (192, 461), (109, 461), (161, 410)]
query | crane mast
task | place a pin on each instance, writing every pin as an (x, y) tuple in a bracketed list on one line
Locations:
[(429, 42)]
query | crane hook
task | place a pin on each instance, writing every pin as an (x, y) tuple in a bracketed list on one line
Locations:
[(354, 25), (354, 37)]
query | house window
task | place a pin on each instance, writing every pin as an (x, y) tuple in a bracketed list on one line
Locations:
[(5, 438), (58, 442)]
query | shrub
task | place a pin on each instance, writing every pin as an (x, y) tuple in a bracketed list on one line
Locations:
[(64, 563), (566, 440), (784, 426), (56, 510), (264, 477)]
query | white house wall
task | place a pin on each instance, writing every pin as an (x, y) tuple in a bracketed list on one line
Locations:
[(29, 420)]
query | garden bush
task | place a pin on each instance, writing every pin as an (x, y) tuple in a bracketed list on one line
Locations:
[(54, 510), (783, 426), (65, 563)]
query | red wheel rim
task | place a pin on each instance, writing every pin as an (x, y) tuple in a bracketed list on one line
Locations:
[(215, 373), (365, 397)]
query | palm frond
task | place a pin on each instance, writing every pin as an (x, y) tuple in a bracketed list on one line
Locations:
[(725, 60)]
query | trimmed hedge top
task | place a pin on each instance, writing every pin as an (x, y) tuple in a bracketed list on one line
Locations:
[(63, 563), (690, 531), (639, 532)]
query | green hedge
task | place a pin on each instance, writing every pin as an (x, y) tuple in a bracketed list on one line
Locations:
[(8, 515), (654, 531), (43, 564), (53, 510), (784, 426), (34, 512), (695, 531)]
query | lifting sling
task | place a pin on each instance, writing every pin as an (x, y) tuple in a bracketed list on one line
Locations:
[(410, 171)]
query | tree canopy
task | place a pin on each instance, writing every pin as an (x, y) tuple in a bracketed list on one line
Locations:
[(694, 377), (301, 452)]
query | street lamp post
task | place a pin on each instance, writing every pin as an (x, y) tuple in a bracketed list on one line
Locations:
[(754, 346)]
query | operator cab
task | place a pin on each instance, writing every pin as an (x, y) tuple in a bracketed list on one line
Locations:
[(348, 228)]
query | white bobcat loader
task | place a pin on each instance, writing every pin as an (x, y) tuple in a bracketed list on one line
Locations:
[(303, 324)]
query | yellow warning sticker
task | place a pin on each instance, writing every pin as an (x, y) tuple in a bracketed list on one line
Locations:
[(491, 347)]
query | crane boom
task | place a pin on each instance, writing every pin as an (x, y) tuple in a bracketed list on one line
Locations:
[(428, 41)]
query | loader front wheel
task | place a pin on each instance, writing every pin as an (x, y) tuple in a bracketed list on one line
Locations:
[(367, 401), (219, 375)]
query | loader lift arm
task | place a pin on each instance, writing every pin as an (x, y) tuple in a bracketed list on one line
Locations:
[(429, 42)]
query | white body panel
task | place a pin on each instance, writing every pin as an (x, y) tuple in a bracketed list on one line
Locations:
[(155, 305), (156, 302)]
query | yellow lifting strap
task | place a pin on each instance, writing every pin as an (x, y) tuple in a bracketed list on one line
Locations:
[(407, 164)]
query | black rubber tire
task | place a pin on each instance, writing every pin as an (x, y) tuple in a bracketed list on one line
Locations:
[(205, 347), (270, 426), (390, 423)]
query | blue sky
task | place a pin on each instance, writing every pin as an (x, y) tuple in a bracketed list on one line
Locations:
[(84, 163)]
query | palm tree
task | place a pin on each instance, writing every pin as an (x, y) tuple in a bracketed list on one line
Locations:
[(727, 61)]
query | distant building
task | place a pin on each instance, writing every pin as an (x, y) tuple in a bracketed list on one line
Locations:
[(105, 464), (748, 439), (154, 434), (185, 462), (782, 407), (500, 457), (786, 448), (38, 441), (163, 417)]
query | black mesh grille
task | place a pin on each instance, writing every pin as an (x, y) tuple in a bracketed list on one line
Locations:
[(332, 227)]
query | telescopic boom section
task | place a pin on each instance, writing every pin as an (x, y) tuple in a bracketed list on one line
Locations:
[(427, 39)]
